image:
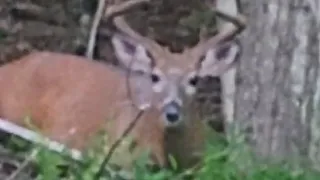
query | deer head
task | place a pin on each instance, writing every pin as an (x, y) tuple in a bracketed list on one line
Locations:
[(174, 76)]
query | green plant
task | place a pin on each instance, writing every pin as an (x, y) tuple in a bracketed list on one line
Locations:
[(223, 160)]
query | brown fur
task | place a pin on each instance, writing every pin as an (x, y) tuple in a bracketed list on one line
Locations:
[(61, 92)]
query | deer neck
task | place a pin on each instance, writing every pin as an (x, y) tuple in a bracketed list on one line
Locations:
[(186, 143)]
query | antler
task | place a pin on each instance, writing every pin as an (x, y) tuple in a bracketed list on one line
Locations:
[(153, 47), (115, 13), (118, 9), (226, 32)]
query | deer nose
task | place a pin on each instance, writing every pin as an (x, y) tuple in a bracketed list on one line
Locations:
[(172, 112), (172, 117)]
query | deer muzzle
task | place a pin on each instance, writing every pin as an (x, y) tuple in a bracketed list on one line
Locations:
[(172, 113)]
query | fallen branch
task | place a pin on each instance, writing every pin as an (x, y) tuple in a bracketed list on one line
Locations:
[(58, 147), (36, 138)]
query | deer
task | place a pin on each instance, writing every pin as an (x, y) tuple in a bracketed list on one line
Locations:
[(70, 98)]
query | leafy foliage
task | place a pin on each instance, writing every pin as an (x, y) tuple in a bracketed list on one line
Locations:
[(222, 161)]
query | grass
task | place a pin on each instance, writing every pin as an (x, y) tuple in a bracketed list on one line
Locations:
[(221, 162)]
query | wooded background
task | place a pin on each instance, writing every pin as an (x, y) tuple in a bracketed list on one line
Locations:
[(273, 94), (278, 82)]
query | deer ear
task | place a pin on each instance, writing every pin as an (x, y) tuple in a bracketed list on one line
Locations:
[(131, 54), (219, 59)]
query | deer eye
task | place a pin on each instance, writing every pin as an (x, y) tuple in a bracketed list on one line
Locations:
[(194, 81), (155, 78)]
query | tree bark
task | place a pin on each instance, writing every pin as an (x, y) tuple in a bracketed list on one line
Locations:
[(278, 83)]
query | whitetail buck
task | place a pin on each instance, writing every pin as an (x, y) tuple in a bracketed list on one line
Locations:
[(70, 98)]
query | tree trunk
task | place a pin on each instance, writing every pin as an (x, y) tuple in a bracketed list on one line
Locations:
[(228, 79), (278, 84)]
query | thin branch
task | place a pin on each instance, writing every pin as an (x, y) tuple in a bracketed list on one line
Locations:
[(36, 138), (94, 28), (24, 164), (116, 144)]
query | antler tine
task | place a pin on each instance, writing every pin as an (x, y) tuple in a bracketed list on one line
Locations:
[(115, 13), (108, 12), (148, 43), (226, 32), (117, 9)]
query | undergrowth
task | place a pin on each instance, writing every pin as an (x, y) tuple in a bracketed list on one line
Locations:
[(222, 161)]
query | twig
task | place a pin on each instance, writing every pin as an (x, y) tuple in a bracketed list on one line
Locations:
[(190, 170), (23, 165), (94, 28), (116, 144)]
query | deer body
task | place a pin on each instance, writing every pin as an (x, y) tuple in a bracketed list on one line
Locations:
[(70, 98)]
